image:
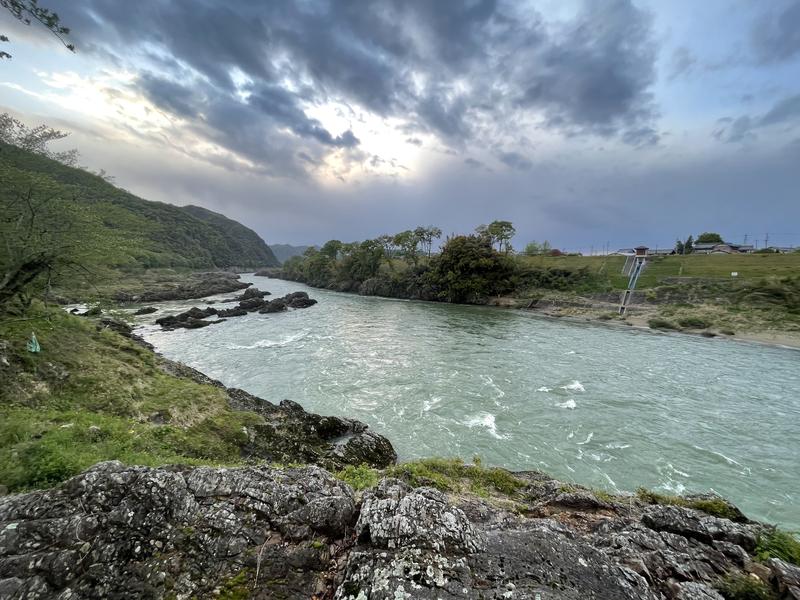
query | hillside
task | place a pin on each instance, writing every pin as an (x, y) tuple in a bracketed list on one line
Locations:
[(284, 252), (245, 244), (108, 227)]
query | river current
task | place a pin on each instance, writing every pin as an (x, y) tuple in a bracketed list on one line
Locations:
[(610, 407)]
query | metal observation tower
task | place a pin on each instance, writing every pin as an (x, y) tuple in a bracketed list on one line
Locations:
[(634, 265)]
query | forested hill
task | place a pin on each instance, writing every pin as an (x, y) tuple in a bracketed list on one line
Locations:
[(110, 227), (243, 241), (284, 252)]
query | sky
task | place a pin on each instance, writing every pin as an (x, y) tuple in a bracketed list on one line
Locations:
[(588, 123)]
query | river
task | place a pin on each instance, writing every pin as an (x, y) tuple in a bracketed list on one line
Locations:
[(609, 407)]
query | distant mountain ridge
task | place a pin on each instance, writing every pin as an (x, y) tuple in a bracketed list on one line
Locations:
[(284, 252), (128, 232)]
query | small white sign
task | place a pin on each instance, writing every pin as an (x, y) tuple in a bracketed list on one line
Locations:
[(734, 273)]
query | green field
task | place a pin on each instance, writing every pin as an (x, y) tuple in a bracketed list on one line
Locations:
[(706, 266)]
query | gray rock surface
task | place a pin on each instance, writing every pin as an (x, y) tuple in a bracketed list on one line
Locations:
[(261, 532)]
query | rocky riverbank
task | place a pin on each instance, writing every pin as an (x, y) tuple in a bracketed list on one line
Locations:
[(262, 532)]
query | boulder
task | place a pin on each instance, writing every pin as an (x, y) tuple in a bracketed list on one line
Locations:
[(191, 319), (273, 306), (146, 310)]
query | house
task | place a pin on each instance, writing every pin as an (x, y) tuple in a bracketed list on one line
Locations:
[(723, 248)]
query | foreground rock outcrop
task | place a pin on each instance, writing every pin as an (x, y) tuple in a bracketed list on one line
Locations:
[(260, 532)]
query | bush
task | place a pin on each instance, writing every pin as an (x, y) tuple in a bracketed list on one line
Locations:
[(744, 587), (358, 478), (661, 324), (694, 323), (778, 544)]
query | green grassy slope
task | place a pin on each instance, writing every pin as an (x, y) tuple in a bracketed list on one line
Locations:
[(93, 395), (127, 231), (750, 267)]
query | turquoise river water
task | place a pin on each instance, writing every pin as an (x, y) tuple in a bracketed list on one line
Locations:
[(603, 406)]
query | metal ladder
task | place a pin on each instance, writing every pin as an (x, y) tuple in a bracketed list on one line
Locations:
[(638, 267)]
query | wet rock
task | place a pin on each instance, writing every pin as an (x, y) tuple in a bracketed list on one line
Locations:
[(293, 300), (251, 304), (191, 319), (252, 292), (302, 303), (231, 312), (146, 310), (274, 306)]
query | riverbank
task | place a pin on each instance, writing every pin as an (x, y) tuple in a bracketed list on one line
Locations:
[(95, 392), (688, 308)]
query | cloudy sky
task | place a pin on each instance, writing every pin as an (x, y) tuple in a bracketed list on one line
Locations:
[(583, 122)]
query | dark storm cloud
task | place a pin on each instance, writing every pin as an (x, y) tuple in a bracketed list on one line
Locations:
[(594, 74), (776, 35), (442, 67)]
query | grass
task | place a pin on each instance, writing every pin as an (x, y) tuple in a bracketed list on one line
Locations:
[(694, 323), (744, 587), (452, 475), (778, 544), (359, 478), (705, 266), (92, 395), (716, 507), (444, 474)]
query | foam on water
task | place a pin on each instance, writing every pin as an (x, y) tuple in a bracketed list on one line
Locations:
[(271, 343), (575, 386), (544, 388), (587, 440), (485, 420), (570, 404)]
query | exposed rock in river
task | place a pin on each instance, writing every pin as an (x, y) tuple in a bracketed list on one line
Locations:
[(199, 285), (261, 532), (193, 318)]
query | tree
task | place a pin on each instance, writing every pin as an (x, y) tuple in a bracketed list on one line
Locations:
[(364, 261), (407, 243), (46, 235), (470, 269), (679, 247), (331, 249), (35, 139), (28, 11), (709, 237), (498, 232), (688, 245), (426, 236), (534, 248)]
